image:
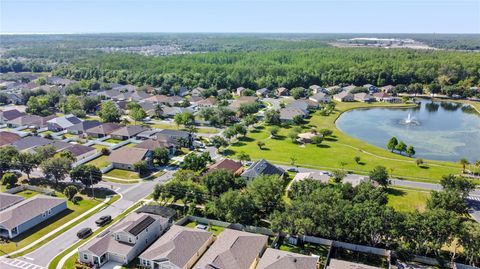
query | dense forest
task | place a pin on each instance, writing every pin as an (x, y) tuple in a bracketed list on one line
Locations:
[(289, 68)]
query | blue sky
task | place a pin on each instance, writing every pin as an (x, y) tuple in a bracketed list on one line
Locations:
[(304, 16)]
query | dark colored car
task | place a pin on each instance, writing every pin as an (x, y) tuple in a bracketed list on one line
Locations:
[(103, 220), (83, 233)]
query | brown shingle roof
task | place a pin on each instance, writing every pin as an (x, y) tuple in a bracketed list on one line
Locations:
[(129, 130), (7, 138), (227, 164), (104, 128), (152, 144), (127, 155)]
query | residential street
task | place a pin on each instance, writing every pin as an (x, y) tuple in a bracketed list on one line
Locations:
[(130, 195)]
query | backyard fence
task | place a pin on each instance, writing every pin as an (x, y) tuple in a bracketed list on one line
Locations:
[(32, 188)]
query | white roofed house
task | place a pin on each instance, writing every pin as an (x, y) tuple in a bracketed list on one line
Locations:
[(321, 98), (61, 123), (124, 241), (344, 96), (317, 89), (363, 97), (179, 248)]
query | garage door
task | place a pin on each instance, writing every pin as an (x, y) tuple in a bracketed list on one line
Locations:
[(116, 258)]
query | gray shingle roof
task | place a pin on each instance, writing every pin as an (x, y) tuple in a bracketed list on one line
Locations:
[(129, 130), (278, 259), (233, 250), (28, 209), (84, 125), (127, 155), (30, 142), (178, 245), (262, 167), (65, 121), (7, 200)]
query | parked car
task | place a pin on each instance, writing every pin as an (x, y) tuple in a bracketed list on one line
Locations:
[(103, 220), (83, 233), (292, 169)]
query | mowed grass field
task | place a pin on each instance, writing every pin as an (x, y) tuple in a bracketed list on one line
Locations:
[(339, 150), (408, 199)]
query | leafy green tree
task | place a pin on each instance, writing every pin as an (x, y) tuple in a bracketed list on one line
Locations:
[(392, 144), (293, 135), (272, 117), (419, 161), (161, 156), (218, 142), (458, 184), (137, 114), (184, 118), (26, 162), (71, 104), (159, 111), (260, 144), (236, 207), (401, 147), (298, 92), (244, 157), (274, 131), (9, 180), (410, 151), (297, 120), (338, 175), (325, 132), (470, 241), (195, 162), (141, 167), (109, 112), (464, 162), (8, 155), (45, 152), (90, 103), (87, 174), (220, 181), (56, 168), (317, 140), (38, 105), (379, 174), (250, 120), (356, 159), (266, 192), (447, 200), (248, 109), (70, 191)]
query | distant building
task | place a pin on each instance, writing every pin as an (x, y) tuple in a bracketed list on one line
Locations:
[(230, 165), (275, 259), (282, 91), (103, 129), (61, 123), (321, 97), (7, 138), (363, 97), (344, 96), (126, 157), (128, 131)]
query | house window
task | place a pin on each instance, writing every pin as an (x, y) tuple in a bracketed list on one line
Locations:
[(49, 212), (118, 237), (85, 256), (44, 214), (146, 230), (129, 240)]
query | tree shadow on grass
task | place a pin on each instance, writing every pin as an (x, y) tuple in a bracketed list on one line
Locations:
[(361, 163), (396, 192), (424, 167), (331, 139), (228, 152), (245, 139), (323, 146), (238, 144)]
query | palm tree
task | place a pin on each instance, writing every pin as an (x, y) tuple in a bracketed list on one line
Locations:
[(464, 162)]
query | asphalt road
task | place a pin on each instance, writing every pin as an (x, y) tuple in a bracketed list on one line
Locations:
[(130, 195)]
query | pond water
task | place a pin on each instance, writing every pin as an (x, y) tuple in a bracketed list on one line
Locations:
[(444, 131)]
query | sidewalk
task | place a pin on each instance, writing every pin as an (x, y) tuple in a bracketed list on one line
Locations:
[(60, 228)]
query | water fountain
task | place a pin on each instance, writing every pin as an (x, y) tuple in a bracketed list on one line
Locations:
[(410, 120)]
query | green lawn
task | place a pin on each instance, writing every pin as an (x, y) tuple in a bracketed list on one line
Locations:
[(113, 140), (407, 199), (337, 149), (100, 162), (201, 130), (27, 193), (67, 135), (123, 174), (40, 230), (98, 147), (213, 228)]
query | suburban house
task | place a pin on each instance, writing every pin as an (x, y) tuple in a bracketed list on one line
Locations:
[(127, 132), (124, 241), (126, 157), (174, 135), (31, 121), (343, 96), (300, 104), (282, 91), (240, 91), (81, 152), (197, 91), (262, 167), (26, 214), (321, 98), (334, 89), (306, 137), (209, 102), (275, 258), (388, 88), (62, 123), (7, 138), (8, 115), (349, 88), (371, 88), (179, 248), (386, 97), (263, 92), (363, 97), (317, 89), (288, 114), (235, 105), (81, 127), (154, 143), (31, 142), (103, 129), (7, 200), (318, 176), (234, 250), (227, 164), (340, 264)]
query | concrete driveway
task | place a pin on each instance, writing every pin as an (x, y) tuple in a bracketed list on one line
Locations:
[(131, 193)]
